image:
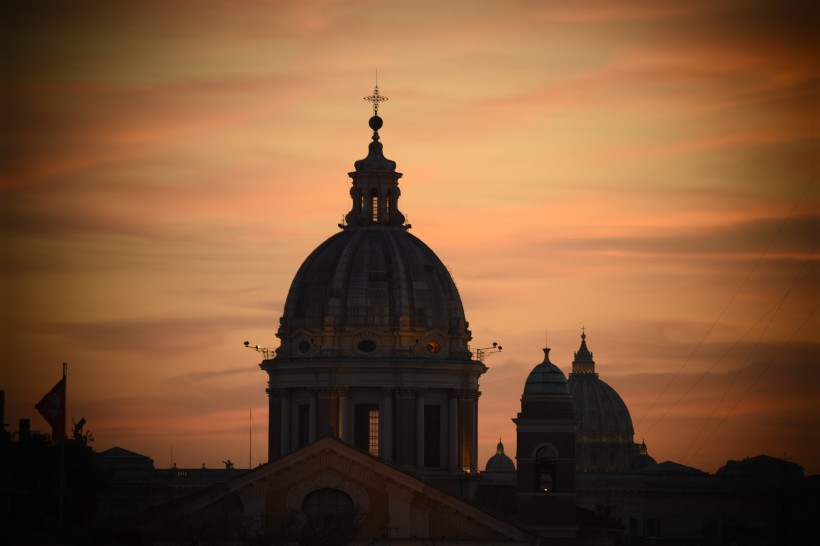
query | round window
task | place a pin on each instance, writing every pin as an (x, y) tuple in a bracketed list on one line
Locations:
[(433, 347), (304, 346), (367, 346)]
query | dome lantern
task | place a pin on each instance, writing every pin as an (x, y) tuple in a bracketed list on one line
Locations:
[(583, 362), (375, 192)]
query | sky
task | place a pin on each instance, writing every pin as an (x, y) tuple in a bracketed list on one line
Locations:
[(648, 170)]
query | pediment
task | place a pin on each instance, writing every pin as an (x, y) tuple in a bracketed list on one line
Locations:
[(389, 502)]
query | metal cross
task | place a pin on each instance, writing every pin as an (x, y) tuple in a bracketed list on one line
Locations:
[(375, 98)]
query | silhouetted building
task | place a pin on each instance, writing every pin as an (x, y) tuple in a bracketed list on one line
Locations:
[(374, 344), (373, 424), (545, 428), (605, 434)]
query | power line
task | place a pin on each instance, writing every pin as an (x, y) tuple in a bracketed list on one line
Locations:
[(725, 309), (758, 378), (801, 275)]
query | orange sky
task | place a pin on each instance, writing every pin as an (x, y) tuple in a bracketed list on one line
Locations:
[(648, 169)]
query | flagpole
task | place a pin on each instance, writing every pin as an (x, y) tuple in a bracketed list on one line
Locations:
[(60, 517)]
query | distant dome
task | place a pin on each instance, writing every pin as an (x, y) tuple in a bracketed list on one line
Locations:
[(602, 414), (500, 461), (500, 470), (546, 378), (604, 437)]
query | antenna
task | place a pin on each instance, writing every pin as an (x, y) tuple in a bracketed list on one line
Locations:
[(269, 353), (481, 354)]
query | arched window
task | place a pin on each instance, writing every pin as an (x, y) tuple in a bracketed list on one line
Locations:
[(374, 205), (545, 469)]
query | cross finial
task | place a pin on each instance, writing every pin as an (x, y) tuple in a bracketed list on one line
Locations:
[(583, 330), (375, 98)]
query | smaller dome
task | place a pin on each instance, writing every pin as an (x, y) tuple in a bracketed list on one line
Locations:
[(500, 462), (546, 378)]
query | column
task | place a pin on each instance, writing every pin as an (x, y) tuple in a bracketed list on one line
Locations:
[(274, 423), (285, 428), (312, 419), (452, 432), (344, 432), (420, 429), (474, 443), (386, 420), (404, 428)]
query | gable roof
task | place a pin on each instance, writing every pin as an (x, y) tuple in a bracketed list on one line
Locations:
[(120, 453), (331, 463)]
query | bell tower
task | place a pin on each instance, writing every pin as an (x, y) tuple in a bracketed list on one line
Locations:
[(545, 428)]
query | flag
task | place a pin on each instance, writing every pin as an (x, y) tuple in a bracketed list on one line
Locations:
[(52, 408)]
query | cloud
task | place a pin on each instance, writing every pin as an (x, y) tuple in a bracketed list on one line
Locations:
[(150, 338)]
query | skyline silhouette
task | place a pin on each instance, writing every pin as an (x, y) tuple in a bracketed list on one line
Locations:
[(647, 170)]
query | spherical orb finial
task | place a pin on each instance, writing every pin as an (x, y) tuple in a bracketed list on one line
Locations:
[(375, 123)]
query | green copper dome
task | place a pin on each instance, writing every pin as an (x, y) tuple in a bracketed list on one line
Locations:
[(546, 378)]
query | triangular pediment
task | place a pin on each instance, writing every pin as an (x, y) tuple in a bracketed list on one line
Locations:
[(388, 502)]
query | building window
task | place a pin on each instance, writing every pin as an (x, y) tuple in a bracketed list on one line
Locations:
[(327, 503), (432, 436), (303, 429), (374, 206), (652, 527), (366, 428), (544, 470)]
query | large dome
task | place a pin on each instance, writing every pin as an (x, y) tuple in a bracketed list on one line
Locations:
[(373, 342), (373, 290), (375, 283)]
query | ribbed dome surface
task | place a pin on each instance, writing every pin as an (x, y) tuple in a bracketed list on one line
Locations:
[(375, 278), (602, 414)]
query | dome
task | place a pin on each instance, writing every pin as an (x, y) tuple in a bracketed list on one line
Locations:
[(500, 462), (643, 460), (602, 414), (546, 378), (604, 437), (373, 290), (373, 337), (374, 283)]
